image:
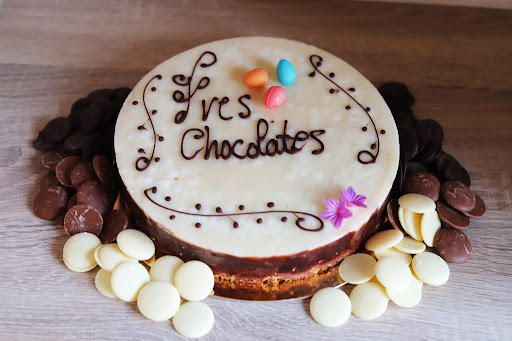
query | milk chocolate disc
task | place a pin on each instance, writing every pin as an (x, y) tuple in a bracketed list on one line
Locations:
[(453, 245), (52, 158), (104, 170), (452, 217), (392, 211), (48, 179), (95, 194), (72, 201), (479, 210), (83, 218), (458, 195), (63, 169), (81, 173), (115, 222), (422, 183), (50, 202)]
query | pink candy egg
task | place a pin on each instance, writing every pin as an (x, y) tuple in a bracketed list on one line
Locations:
[(274, 97)]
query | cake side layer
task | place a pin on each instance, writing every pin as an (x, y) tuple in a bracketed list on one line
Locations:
[(267, 278)]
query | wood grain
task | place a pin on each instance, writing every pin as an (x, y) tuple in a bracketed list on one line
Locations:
[(455, 60)]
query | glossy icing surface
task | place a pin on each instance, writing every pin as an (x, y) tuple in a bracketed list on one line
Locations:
[(201, 155)]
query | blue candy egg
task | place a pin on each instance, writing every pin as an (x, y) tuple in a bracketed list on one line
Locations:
[(286, 72)]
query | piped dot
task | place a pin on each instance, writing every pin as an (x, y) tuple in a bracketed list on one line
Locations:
[(157, 159), (153, 89), (284, 219), (198, 225), (364, 129), (135, 102), (172, 217), (241, 207), (198, 207), (331, 74), (270, 204), (348, 107), (235, 225), (259, 221), (167, 198)]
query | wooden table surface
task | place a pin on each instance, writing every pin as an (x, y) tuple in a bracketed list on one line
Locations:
[(457, 61)]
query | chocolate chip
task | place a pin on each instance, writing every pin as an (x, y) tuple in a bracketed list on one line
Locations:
[(392, 211), (50, 202), (52, 158), (115, 222), (422, 183), (64, 167), (452, 245), (76, 140), (479, 210), (42, 144), (452, 217), (57, 129), (83, 218), (90, 118), (48, 179), (81, 173), (95, 194), (408, 140), (104, 170), (458, 195), (393, 89)]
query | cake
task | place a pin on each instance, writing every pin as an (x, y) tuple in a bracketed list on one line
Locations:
[(271, 199)]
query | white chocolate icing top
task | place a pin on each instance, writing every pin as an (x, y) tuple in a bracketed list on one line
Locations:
[(335, 119)]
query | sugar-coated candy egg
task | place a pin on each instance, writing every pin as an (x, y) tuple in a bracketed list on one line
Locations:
[(256, 78), (286, 72), (274, 97)]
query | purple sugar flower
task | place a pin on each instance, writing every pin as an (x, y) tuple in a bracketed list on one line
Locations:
[(352, 198), (336, 211)]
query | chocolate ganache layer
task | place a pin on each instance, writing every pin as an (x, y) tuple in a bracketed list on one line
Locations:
[(271, 199)]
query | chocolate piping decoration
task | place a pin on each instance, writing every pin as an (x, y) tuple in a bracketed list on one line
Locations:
[(298, 221), (316, 62), (147, 161)]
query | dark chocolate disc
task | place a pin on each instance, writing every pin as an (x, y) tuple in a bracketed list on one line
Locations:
[(392, 211), (451, 169), (407, 139), (75, 141), (415, 167), (422, 183), (458, 195), (101, 93), (64, 167), (42, 144), (452, 245), (83, 218), (95, 194), (115, 222), (393, 89), (57, 129), (79, 105), (81, 173), (104, 170), (479, 210), (50, 202), (452, 217), (52, 158), (90, 118), (430, 137)]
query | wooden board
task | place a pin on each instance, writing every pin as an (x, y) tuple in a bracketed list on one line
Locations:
[(457, 62)]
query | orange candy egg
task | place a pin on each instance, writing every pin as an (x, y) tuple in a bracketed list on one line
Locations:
[(256, 78)]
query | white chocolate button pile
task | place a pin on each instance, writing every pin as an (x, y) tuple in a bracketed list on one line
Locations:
[(399, 277), (121, 275), (330, 307)]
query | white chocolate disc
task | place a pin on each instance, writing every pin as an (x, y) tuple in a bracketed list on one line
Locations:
[(393, 252), (330, 307), (111, 256), (168, 148), (412, 223), (393, 272), (409, 297), (369, 300), (416, 203), (357, 268), (401, 211), (135, 244), (193, 319), (430, 268), (384, 240), (78, 252), (158, 301), (430, 224), (127, 280), (102, 283), (97, 255), (410, 245), (165, 268), (194, 280)]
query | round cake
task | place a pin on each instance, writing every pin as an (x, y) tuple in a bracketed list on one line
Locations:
[(271, 199)]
